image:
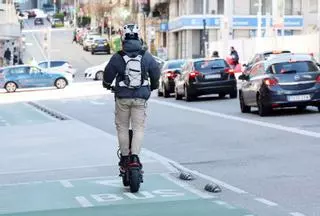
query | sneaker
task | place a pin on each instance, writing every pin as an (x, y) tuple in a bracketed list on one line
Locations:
[(124, 161), (135, 161)]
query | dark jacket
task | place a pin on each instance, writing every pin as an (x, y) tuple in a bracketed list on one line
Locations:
[(7, 54), (116, 67), (235, 54)]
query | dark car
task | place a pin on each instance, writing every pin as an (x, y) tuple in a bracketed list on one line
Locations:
[(38, 21), (100, 45), (205, 76), (286, 81), (261, 57), (31, 14), (169, 71)]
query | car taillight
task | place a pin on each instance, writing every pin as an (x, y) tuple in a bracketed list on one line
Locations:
[(171, 74), (228, 70), (318, 79), (271, 82), (194, 74)]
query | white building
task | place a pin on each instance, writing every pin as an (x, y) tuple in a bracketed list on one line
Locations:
[(231, 19)]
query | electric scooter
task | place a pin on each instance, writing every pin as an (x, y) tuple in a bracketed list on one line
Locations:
[(132, 174)]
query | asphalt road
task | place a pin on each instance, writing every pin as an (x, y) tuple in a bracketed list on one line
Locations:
[(270, 165), (62, 48)]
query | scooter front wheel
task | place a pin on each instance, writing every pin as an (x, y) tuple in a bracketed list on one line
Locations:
[(135, 179)]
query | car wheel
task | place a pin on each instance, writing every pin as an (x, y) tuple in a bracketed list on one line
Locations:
[(99, 75), (92, 53), (10, 87), (234, 94), (60, 83), (166, 94), (187, 95), (244, 108), (263, 110), (177, 95), (160, 94), (222, 95), (301, 108)]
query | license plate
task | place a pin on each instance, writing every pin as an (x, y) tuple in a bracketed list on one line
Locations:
[(101, 45), (213, 76), (299, 97)]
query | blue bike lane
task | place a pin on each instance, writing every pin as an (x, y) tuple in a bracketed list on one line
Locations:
[(68, 168)]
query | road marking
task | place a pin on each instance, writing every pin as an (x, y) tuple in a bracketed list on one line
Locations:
[(265, 201), (21, 183), (29, 44), (173, 164), (240, 119), (110, 182), (97, 103), (66, 183), (84, 202), (39, 46), (297, 214), (224, 204), (187, 187)]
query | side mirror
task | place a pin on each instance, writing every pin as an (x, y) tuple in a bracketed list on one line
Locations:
[(318, 64), (245, 65), (243, 77)]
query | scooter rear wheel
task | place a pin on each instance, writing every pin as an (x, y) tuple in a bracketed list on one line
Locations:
[(135, 179)]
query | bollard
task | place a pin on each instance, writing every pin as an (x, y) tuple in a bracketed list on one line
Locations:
[(213, 188)]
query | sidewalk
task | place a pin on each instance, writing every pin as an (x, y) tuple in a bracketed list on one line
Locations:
[(65, 167)]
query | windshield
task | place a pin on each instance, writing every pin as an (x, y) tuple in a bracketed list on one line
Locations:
[(210, 64), (294, 67), (268, 54), (175, 64)]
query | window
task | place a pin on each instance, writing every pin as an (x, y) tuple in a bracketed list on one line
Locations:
[(313, 6), (57, 63), (288, 7), (266, 7), (294, 67), (19, 70), (175, 64), (257, 70), (220, 4), (210, 64), (198, 6), (34, 70), (43, 65)]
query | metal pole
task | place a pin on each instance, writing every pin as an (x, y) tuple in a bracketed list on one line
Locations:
[(259, 27), (75, 14), (204, 39), (49, 47)]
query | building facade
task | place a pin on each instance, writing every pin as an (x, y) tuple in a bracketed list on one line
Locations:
[(232, 19)]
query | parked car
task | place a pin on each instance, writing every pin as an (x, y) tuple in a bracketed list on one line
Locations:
[(286, 81), (25, 76), (58, 66), (31, 13), (95, 72), (55, 23), (205, 76), (38, 21), (169, 72), (261, 57), (89, 40), (100, 45)]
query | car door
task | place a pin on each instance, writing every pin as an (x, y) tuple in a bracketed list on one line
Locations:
[(254, 83), (40, 78), (21, 75), (179, 81)]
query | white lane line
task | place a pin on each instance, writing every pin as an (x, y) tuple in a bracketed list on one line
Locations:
[(266, 202), (188, 187), (173, 164), (39, 46), (297, 214), (21, 183), (97, 103), (224, 204), (66, 183), (84, 202), (240, 119)]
